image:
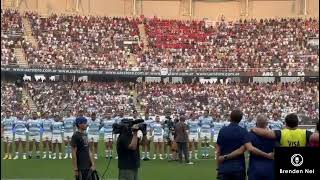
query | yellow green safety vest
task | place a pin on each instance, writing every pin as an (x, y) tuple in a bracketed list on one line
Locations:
[(293, 138)]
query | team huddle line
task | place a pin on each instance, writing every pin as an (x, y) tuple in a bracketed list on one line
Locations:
[(55, 130)]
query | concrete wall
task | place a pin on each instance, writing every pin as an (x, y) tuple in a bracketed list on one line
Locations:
[(165, 9), (172, 8), (273, 8), (313, 8), (206, 9)]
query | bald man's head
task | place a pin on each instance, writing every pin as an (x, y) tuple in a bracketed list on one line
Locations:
[(262, 121)]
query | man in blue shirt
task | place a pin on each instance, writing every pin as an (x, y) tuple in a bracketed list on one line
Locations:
[(261, 168), (231, 144)]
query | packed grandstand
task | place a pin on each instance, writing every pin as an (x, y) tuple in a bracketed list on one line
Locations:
[(92, 42)]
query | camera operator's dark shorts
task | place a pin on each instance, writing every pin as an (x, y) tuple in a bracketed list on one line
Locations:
[(128, 174)]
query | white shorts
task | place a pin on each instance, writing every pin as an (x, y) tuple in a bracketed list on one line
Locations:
[(215, 138), (18, 137), (93, 138), (193, 137), (56, 138), (205, 136), (140, 135), (34, 138), (67, 136), (7, 137), (108, 138), (149, 137), (47, 136), (157, 138), (115, 137)]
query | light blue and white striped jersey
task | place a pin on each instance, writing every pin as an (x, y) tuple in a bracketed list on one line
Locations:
[(107, 126), (118, 119), (193, 126), (217, 126), (157, 129), (68, 124), (206, 124), (34, 127), (250, 125), (226, 123), (275, 125), (20, 127), (149, 123), (94, 127), (47, 125), (243, 123), (166, 130), (57, 128), (8, 123)]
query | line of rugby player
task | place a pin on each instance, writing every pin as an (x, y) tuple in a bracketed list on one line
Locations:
[(53, 131)]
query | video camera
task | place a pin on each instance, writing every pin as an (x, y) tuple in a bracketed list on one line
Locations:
[(126, 124)]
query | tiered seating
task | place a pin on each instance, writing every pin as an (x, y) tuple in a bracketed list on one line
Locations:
[(11, 34), (98, 97), (269, 43), (270, 99), (82, 41)]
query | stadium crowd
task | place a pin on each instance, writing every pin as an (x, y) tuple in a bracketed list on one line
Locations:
[(94, 97), (7, 51), (265, 43), (250, 45), (81, 41), (11, 27), (276, 100), (9, 99)]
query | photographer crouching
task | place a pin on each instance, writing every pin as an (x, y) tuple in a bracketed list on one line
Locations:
[(128, 147)]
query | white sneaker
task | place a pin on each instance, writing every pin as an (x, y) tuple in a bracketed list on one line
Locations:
[(161, 158), (142, 158), (70, 156), (16, 157), (54, 157), (190, 163), (44, 157), (50, 156), (24, 157), (116, 157), (65, 157), (95, 157), (155, 157), (60, 157), (195, 157)]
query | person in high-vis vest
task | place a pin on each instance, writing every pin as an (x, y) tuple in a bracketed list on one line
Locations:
[(291, 136)]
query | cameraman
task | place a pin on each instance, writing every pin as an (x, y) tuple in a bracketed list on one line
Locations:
[(128, 153)]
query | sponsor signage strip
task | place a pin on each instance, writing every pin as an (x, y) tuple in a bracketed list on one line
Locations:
[(159, 73)]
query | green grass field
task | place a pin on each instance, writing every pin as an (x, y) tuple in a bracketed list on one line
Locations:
[(36, 169)]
